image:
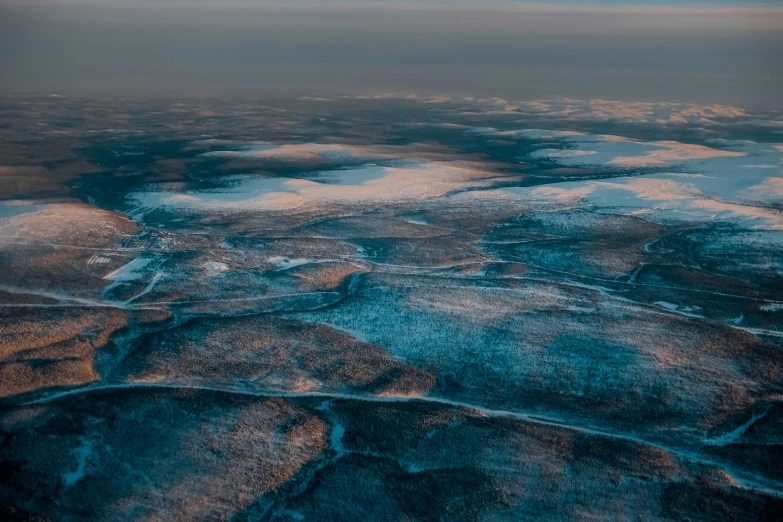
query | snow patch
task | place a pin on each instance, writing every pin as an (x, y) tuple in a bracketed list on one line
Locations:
[(10, 209), (284, 263), (82, 453), (214, 268), (130, 271), (735, 434), (367, 183), (98, 260)]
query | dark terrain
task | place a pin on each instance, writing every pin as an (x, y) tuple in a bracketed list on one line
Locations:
[(388, 309)]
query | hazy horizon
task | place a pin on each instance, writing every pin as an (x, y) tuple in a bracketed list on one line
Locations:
[(719, 52)]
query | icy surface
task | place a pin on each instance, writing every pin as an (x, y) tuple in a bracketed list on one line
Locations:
[(390, 308)]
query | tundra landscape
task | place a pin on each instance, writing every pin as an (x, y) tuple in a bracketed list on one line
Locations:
[(389, 307)]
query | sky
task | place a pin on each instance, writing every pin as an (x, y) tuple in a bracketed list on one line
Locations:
[(698, 52)]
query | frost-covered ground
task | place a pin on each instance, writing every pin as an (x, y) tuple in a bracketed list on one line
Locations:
[(390, 308)]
